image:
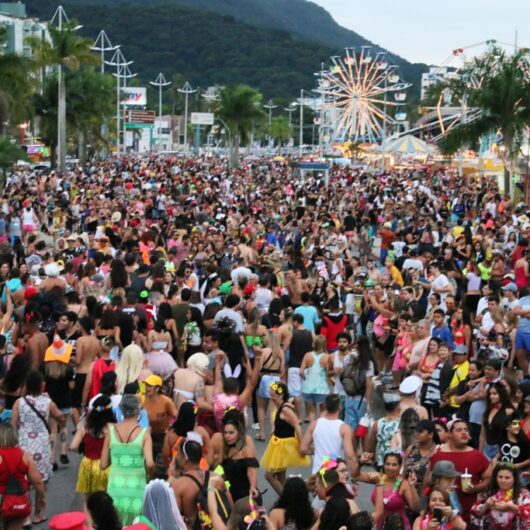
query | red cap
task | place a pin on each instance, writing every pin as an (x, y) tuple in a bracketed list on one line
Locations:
[(69, 521), (30, 292)]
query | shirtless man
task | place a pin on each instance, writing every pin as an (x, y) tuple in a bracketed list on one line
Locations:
[(189, 382), (86, 350), (35, 342), (188, 485)]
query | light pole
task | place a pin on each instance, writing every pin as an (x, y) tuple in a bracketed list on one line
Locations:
[(102, 44), (118, 60), (270, 106), (211, 95), (160, 82), (301, 140), (126, 74), (290, 109), (186, 90), (62, 17), (228, 129)]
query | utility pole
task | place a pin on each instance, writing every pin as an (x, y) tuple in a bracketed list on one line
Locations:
[(118, 60), (186, 90), (160, 82)]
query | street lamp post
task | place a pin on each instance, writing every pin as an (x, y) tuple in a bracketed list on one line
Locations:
[(126, 74), (62, 17), (301, 140), (102, 44), (186, 90), (118, 60), (160, 82), (290, 109), (270, 106), (211, 95)]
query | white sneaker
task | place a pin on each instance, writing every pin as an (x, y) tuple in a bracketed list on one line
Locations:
[(255, 426)]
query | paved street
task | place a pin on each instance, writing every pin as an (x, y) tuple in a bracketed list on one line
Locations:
[(63, 498)]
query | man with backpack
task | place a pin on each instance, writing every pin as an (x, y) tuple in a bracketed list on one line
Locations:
[(191, 486)]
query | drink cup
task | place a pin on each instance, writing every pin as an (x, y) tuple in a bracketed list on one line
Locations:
[(465, 480)]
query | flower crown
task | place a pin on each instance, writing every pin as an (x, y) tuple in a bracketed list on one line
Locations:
[(328, 462), (277, 388)]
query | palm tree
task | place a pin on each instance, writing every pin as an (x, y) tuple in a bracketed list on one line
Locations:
[(66, 50), (502, 93), (240, 107), (91, 99), (16, 86)]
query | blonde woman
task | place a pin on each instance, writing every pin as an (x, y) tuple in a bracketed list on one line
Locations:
[(313, 372), (132, 367), (272, 370)]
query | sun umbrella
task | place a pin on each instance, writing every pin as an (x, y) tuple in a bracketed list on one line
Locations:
[(407, 144)]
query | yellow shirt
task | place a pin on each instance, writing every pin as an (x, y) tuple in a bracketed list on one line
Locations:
[(460, 372)]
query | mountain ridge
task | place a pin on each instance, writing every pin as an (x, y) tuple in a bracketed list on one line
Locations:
[(277, 60)]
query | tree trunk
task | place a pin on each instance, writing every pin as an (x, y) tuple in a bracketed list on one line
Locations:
[(234, 151), (82, 148), (61, 124)]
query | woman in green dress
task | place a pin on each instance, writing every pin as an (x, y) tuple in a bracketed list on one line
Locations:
[(128, 448)]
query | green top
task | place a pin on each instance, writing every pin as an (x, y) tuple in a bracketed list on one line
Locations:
[(127, 478)]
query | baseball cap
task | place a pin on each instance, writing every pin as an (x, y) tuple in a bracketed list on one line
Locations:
[(460, 349), (510, 287), (153, 380)]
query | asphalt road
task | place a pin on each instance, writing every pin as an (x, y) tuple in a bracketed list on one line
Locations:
[(62, 496)]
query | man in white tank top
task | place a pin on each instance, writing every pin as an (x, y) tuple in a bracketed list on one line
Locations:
[(329, 436)]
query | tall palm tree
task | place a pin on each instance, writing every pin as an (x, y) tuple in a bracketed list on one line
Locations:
[(68, 50), (91, 99), (502, 93), (16, 86), (240, 108)]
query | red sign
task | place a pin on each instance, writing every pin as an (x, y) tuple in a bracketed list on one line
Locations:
[(140, 116)]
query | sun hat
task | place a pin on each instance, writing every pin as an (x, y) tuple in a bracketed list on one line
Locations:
[(410, 385), (445, 468)]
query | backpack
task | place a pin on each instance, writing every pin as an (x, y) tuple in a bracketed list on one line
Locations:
[(203, 521), (353, 378), (15, 502)]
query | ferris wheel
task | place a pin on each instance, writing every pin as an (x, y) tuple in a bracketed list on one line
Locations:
[(360, 96)]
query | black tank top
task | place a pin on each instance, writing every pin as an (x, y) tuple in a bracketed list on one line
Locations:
[(301, 343), (281, 428)]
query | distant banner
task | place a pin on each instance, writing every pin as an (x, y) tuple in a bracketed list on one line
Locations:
[(134, 96)]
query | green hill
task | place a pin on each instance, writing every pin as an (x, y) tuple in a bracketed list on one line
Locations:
[(273, 45)]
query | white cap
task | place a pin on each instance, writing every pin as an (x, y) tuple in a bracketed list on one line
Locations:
[(410, 385)]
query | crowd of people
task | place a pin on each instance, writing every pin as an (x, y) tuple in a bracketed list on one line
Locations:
[(183, 318)]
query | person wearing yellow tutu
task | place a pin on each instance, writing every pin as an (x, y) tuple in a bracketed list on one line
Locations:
[(283, 450), (88, 440)]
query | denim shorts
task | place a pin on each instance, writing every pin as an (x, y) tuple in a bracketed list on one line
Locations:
[(317, 399), (355, 409), (522, 340)]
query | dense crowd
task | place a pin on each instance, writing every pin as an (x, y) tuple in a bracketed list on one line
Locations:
[(177, 315)]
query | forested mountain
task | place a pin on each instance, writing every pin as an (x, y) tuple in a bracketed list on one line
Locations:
[(272, 45)]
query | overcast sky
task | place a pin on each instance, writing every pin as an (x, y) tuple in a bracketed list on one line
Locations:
[(426, 30)]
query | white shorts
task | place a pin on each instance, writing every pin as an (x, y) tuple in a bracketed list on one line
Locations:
[(294, 382)]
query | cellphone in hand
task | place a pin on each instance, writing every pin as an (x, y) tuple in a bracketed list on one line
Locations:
[(438, 514)]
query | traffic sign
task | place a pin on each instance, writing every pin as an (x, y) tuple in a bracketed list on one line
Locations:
[(202, 118), (146, 117)]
